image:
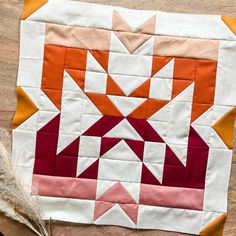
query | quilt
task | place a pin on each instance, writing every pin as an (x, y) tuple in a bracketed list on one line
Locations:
[(125, 117)]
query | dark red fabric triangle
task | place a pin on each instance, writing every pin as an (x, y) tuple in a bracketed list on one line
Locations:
[(148, 177), (195, 140), (107, 144), (171, 158), (52, 126), (137, 147), (72, 149), (91, 172)]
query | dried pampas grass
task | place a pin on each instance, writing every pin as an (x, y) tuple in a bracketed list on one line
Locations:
[(15, 201)]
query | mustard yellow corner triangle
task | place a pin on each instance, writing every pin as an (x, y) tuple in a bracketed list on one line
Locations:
[(224, 127), (230, 22), (31, 6), (216, 227), (25, 108)]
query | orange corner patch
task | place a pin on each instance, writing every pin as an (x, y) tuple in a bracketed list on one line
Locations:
[(25, 108), (31, 6), (224, 127), (230, 22), (215, 228)]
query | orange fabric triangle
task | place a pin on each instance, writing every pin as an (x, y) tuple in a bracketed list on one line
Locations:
[(148, 108), (224, 127), (198, 109), (25, 108), (230, 22), (179, 86), (102, 58), (140, 112), (215, 228), (78, 76), (98, 100), (104, 104), (55, 96), (110, 109), (31, 6), (155, 105), (113, 88), (142, 90), (158, 63)]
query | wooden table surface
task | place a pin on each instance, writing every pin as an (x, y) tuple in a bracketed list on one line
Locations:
[(9, 47)]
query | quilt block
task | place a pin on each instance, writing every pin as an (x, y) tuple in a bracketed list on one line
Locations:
[(126, 117)]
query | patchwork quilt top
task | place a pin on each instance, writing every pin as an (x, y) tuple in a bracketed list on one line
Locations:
[(125, 117)]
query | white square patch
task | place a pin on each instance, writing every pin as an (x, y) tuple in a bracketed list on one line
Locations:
[(161, 88), (89, 146), (95, 82), (154, 152)]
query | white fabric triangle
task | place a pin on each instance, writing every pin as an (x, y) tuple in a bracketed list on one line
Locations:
[(92, 64), (31, 123), (156, 169), (126, 104), (45, 117), (39, 14), (103, 186), (123, 130), (204, 131), (47, 110), (117, 216), (134, 18), (116, 45), (83, 163), (69, 84), (69, 122), (121, 151), (216, 141), (133, 189), (180, 151), (162, 115), (64, 140), (33, 94), (89, 107), (88, 121), (128, 83), (186, 95), (205, 118), (219, 112), (209, 217), (167, 71), (146, 48), (179, 125), (160, 127), (46, 104)]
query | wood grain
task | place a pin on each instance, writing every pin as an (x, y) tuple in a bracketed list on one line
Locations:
[(9, 44)]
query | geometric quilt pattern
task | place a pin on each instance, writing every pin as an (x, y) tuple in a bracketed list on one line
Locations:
[(126, 117)]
